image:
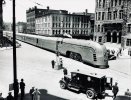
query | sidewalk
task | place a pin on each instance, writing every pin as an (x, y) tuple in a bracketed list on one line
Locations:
[(43, 96), (116, 47), (5, 48)]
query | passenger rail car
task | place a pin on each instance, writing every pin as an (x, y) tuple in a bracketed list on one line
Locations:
[(85, 51)]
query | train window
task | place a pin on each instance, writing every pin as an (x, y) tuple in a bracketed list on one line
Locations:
[(37, 41), (100, 39)]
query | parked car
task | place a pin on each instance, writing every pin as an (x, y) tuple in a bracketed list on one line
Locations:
[(123, 97), (93, 85)]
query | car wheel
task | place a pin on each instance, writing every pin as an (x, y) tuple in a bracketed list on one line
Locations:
[(90, 94), (62, 85)]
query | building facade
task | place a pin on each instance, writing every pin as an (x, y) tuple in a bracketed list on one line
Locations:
[(58, 24), (111, 17), (21, 27), (33, 13)]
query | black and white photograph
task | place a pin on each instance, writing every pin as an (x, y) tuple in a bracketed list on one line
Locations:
[(65, 49)]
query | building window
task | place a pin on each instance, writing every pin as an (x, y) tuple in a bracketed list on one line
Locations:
[(115, 2), (111, 3), (99, 3), (119, 2), (103, 15), (128, 42), (98, 28), (114, 14), (109, 15), (121, 14), (103, 3), (96, 15), (99, 15), (129, 28)]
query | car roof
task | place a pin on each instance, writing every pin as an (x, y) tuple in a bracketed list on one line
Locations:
[(89, 74), (123, 97)]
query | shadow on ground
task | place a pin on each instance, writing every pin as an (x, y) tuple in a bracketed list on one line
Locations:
[(44, 96)]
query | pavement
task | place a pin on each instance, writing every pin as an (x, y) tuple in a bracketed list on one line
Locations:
[(37, 72)]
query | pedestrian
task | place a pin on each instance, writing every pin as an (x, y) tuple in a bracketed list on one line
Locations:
[(65, 71), (115, 90), (16, 88), (31, 91), (36, 94), (10, 97), (53, 64), (22, 88), (1, 98), (128, 93), (120, 50)]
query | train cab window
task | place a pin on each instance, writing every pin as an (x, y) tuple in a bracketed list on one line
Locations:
[(100, 39)]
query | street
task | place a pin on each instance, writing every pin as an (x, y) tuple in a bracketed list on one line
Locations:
[(34, 66)]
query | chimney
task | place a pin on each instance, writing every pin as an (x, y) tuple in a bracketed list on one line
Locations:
[(48, 8), (86, 11)]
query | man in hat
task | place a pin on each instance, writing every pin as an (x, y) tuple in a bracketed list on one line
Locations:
[(22, 88), (31, 92), (10, 97), (115, 90)]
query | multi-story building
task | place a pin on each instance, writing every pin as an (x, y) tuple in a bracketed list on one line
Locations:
[(21, 27), (57, 24), (111, 17), (31, 15)]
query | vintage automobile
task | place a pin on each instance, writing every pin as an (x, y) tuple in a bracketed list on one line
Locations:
[(92, 84), (123, 97)]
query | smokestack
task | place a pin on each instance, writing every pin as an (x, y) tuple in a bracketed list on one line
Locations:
[(86, 11), (48, 8)]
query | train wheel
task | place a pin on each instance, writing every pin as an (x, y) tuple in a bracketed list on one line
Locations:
[(71, 55), (79, 57), (90, 94), (63, 85)]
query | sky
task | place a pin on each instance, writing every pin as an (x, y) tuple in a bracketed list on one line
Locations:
[(23, 5)]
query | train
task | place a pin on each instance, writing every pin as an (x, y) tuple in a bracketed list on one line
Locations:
[(86, 51)]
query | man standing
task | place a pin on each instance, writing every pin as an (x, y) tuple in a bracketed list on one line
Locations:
[(53, 63), (115, 90), (1, 98), (65, 71), (22, 88), (10, 97), (31, 92)]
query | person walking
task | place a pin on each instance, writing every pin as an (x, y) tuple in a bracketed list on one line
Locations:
[(53, 64), (1, 98), (22, 88), (65, 71), (128, 93), (31, 91), (36, 94), (10, 97), (115, 90)]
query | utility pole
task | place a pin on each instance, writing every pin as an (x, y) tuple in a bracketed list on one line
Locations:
[(14, 54), (1, 22)]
